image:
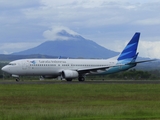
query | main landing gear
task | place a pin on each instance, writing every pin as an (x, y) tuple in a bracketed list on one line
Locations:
[(81, 79), (17, 79), (69, 79)]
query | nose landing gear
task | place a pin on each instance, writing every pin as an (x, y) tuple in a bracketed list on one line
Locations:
[(17, 79)]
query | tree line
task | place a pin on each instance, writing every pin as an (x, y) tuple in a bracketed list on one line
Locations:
[(131, 74)]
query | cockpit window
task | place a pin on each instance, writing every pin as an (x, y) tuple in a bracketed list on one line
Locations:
[(12, 64)]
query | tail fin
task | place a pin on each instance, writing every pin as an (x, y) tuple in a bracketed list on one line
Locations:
[(130, 51)]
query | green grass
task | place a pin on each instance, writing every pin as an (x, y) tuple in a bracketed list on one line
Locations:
[(80, 101)]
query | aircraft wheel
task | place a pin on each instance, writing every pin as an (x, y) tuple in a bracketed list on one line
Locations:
[(69, 79), (81, 79), (17, 79)]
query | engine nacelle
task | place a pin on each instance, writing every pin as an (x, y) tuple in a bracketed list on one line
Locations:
[(69, 74)]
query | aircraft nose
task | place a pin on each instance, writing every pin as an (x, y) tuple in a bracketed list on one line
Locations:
[(4, 69)]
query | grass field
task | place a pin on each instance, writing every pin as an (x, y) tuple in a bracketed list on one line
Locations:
[(80, 102)]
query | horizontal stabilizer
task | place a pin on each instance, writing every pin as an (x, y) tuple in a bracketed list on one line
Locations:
[(141, 61)]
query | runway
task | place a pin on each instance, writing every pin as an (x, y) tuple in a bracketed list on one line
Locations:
[(85, 82)]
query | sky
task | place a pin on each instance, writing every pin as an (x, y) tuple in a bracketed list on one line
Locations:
[(110, 23)]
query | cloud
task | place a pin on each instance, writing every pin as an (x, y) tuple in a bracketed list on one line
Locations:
[(53, 34), (149, 49), (8, 48), (103, 21), (150, 21), (18, 4), (92, 13)]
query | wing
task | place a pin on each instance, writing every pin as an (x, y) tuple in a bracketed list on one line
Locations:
[(104, 68), (93, 69), (141, 61)]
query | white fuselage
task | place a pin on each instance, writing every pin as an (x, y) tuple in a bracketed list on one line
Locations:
[(65, 68), (54, 67)]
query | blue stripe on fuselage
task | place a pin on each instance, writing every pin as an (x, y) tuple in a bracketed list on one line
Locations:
[(116, 69)]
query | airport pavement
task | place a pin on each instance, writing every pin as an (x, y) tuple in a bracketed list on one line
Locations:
[(85, 82)]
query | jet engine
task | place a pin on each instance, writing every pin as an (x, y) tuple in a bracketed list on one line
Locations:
[(69, 74)]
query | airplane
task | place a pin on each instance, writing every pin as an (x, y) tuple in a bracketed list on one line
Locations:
[(69, 69)]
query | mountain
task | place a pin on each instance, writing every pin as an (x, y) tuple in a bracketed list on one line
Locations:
[(16, 57), (70, 45)]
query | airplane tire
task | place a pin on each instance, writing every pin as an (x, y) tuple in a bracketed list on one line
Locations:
[(69, 79), (17, 79), (81, 79)]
